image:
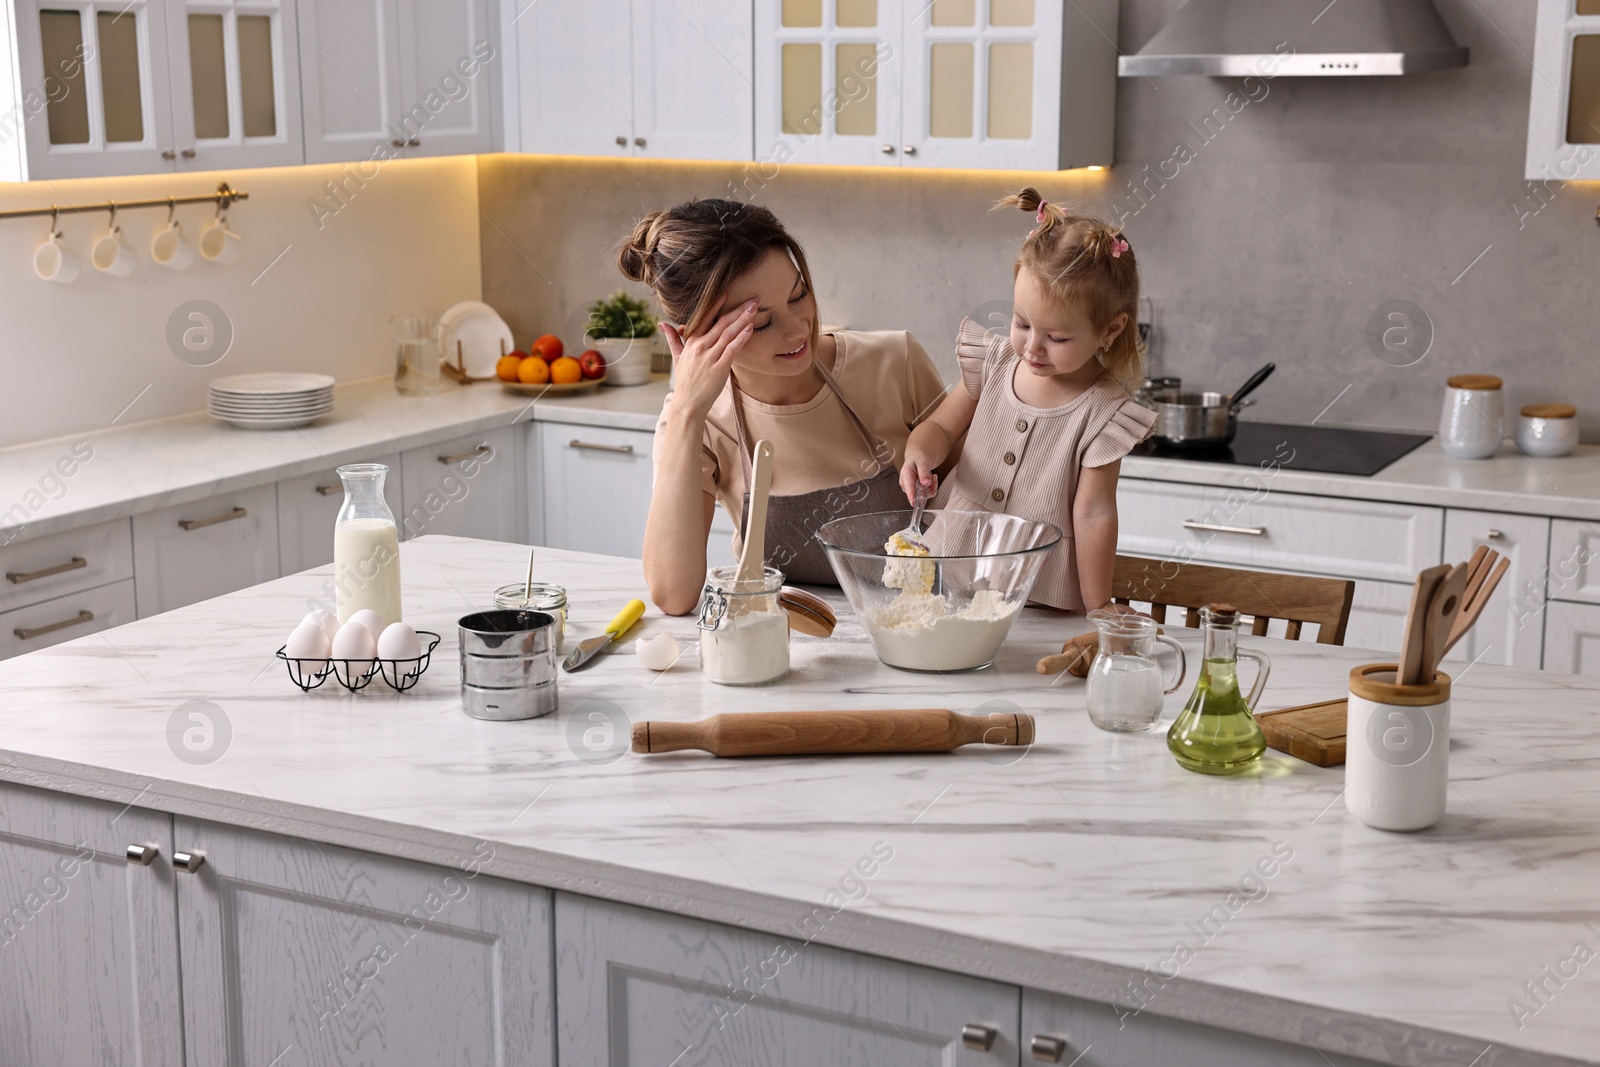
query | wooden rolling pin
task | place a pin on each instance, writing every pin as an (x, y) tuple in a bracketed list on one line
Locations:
[(823, 733), (1074, 657)]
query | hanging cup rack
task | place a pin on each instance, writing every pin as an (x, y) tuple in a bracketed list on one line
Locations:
[(224, 198)]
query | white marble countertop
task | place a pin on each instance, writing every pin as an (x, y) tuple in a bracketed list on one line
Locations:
[(1567, 487), (1070, 869), (148, 465)]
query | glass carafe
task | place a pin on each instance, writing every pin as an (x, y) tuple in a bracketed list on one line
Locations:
[(1125, 687), (366, 546), (1215, 733), (416, 356)]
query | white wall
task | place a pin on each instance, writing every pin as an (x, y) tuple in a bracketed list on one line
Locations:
[(72, 357)]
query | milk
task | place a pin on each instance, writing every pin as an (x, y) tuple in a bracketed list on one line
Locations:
[(366, 568)]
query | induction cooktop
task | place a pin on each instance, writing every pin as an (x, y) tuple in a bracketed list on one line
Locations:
[(1326, 449)]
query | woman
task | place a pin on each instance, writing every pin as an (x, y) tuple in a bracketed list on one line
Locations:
[(750, 363)]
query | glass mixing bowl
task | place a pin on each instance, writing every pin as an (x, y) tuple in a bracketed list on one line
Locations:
[(949, 610)]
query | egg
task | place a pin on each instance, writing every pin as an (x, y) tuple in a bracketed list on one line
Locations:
[(399, 641), (307, 642), (324, 619), (368, 618), (354, 642), (658, 652)]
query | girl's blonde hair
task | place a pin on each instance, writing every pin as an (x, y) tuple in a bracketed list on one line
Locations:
[(1086, 263)]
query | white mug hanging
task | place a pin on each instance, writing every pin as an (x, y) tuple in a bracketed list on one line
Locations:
[(51, 260), (168, 247), (217, 242), (110, 254)]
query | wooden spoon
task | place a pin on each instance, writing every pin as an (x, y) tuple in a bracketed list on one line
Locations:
[(1443, 607), (1409, 669), (753, 557), (1473, 603)]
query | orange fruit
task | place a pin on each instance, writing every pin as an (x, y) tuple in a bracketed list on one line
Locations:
[(533, 371), (565, 371), (506, 368), (548, 348)]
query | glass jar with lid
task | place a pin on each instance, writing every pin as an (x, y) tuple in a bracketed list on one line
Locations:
[(536, 596), (744, 629)]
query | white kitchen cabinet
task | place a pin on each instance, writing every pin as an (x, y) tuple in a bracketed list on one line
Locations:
[(62, 618), (1574, 561), (1564, 98), (394, 78), (47, 567), (596, 483), (470, 486), (196, 551), (643, 988), (993, 84), (658, 79), (1378, 616), (1510, 630), (1062, 1030), (88, 940), (348, 957), (309, 505), (1572, 638)]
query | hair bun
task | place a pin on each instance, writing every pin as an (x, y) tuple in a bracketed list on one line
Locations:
[(634, 258)]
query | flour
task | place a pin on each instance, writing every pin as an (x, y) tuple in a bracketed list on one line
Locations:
[(903, 570), (746, 650), (919, 632)]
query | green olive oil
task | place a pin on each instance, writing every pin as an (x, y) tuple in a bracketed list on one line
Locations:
[(1215, 733)]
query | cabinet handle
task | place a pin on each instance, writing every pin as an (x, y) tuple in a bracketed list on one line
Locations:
[(187, 153), (622, 142), (328, 490), (18, 577), (476, 453), (1496, 535), (398, 142), (143, 855), (910, 149), (25, 633), (188, 862), (626, 450), (1047, 1048), (167, 153), (887, 149), (979, 1037), (1249, 531), (226, 516), (638, 142), (414, 142)]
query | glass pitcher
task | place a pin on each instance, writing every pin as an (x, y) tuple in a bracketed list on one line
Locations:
[(366, 546), (416, 356), (1215, 733), (1124, 684)]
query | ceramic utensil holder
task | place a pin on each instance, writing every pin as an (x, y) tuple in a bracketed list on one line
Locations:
[(1397, 749), (508, 664), (1474, 410)]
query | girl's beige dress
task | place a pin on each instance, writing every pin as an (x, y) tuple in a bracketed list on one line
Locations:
[(1022, 460)]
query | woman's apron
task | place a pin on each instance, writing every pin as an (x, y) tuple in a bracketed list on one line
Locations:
[(793, 521)]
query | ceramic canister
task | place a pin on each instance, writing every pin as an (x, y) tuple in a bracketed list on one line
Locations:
[(1474, 410), (1547, 429), (1397, 749)]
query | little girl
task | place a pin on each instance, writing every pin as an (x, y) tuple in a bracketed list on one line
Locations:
[(1047, 412)]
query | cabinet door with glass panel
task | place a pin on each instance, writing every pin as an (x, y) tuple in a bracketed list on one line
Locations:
[(1564, 103), (235, 83), (827, 81), (1008, 84), (92, 89)]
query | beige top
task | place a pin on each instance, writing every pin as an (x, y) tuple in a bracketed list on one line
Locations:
[(1022, 460), (887, 378)]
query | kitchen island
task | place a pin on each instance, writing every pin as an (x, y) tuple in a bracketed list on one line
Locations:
[(1063, 876)]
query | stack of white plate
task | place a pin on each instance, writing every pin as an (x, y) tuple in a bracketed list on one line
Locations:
[(271, 401)]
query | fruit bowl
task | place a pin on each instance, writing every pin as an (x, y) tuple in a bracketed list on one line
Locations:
[(552, 388), (952, 609)]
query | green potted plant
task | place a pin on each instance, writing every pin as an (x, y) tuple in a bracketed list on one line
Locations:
[(622, 329)]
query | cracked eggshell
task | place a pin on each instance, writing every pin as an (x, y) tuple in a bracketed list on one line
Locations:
[(658, 652)]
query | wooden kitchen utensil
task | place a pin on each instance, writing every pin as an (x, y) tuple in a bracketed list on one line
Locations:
[(1312, 732), (822, 733), (1411, 641), (753, 558), (1074, 657), (1474, 600), (1443, 607)]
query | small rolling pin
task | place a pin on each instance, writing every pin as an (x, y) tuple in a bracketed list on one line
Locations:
[(1074, 657), (822, 733)]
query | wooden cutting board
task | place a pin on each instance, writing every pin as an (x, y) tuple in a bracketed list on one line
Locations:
[(1312, 732)]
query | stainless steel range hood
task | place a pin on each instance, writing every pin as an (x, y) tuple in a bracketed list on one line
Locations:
[(1273, 38)]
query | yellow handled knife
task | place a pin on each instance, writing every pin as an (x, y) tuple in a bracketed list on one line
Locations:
[(588, 650)]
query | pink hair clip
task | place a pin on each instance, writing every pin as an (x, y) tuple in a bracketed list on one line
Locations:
[(1117, 249), (1038, 216)]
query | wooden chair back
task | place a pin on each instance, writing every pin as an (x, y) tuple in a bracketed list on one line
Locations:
[(1294, 598)]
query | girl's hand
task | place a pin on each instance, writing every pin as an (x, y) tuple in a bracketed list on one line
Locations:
[(917, 468), (701, 364)]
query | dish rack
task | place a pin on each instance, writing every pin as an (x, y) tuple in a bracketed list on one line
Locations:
[(356, 674)]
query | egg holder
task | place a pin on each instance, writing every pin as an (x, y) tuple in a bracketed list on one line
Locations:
[(308, 674)]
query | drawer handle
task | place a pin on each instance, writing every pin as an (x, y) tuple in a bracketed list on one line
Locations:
[(328, 490), (226, 516), (979, 1037), (1216, 527), (18, 577), (1047, 1049), (476, 453), (143, 855), (1496, 535), (626, 450), (188, 862), (27, 633)]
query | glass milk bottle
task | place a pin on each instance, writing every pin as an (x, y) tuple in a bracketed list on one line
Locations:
[(366, 546)]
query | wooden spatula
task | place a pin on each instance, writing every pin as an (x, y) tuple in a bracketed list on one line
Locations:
[(1474, 600), (1411, 641), (1443, 607), (822, 733), (753, 558)]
